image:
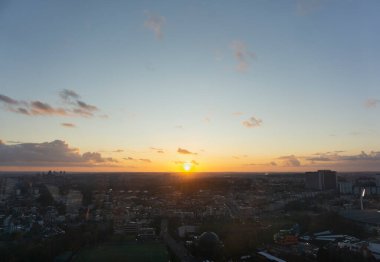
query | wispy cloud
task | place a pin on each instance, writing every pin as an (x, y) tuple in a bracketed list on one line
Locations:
[(158, 150), (68, 95), (240, 157), (73, 106), (145, 160), (118, 151), (14, 142), (237, 113), (86, 107), (242, 56), (371, 103), (272, 163), (252, 122), (336, 156), (40, 108), (8, 100), (194, 162), (71, 125), (207, 120), (155, 23), (185, 151), (55, 153)]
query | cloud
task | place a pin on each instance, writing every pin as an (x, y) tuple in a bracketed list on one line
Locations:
[(319, 159), (240, 157), (371, 103), (179, 126), (40, 108), (252, 122), (118, 151), (13, 142), (194, 162), (20, 110), (336, 156), (155, 23), (96, 157), (272, 163), (8, 100), (105, 116), (86, 107), (238, 113), (55, 153), (242, 56), (207, 119), (68, 95), (290, 161), (186, 162), (158, 150), (363, 156), (185, 151), (73, 106), (71, 125), (135, 159)]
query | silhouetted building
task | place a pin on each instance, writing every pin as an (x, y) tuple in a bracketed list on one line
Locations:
[(345, 187), (321, 180)]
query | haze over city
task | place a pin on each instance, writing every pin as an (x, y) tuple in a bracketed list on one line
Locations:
[(203, 86)]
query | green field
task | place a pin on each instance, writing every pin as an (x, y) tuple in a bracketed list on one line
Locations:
[(125, 252)]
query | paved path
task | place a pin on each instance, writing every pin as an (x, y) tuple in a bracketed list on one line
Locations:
[(177, 248)]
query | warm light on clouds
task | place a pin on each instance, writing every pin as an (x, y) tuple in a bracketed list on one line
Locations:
[(136, 86), (372, 103), (252, 122), (185, 151), (73, 107), (155, 23), (242, 56), (68, 125), (55, 153), (290, 161)]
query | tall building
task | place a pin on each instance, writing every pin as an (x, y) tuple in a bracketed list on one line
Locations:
[(321, 180)]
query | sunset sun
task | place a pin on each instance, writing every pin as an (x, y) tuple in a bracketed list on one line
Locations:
[(187, 166)]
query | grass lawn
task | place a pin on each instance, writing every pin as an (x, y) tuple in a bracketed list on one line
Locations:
[(125, 252)]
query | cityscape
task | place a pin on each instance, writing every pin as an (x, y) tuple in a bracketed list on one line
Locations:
[(189, 131), (313, 216)]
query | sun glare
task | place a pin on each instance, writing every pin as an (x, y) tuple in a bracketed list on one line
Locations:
[(187, 167)]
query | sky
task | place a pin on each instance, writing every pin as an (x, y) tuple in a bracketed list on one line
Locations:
[(244, 86)]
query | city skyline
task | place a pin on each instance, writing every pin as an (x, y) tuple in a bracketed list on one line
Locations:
[(259, 86)]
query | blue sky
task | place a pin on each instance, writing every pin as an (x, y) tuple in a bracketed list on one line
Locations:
[(240, 83)]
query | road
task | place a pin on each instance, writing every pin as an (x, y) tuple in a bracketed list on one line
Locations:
[(177, 248)]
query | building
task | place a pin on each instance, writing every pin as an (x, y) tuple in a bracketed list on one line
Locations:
[(321, 180), (345, 187), (285, 237), (367, 218)]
